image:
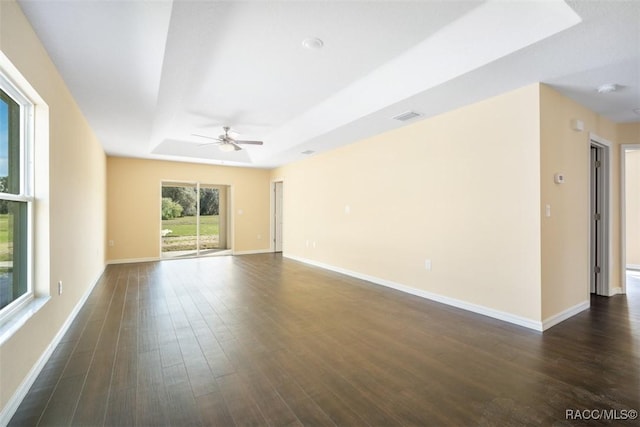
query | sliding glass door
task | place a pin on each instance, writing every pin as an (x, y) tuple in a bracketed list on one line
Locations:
[(193, 219), (213, 230)]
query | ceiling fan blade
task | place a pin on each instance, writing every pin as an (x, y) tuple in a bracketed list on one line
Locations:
[(239, 141), (216, 138), (236, 146), (210, 143)]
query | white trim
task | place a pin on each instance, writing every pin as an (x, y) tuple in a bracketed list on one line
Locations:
[(564, 315), (16, 318), (253, 252), (632, 267), (615, 291), (17, 92), (474, 308), (134, 260), (18, 396)]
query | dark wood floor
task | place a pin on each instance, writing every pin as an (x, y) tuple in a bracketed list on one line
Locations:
[(261, 340)]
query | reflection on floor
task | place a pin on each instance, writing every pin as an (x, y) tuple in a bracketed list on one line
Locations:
[(191, 254), (633, 280)]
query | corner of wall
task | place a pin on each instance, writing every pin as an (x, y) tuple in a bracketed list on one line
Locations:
[(565, 228)]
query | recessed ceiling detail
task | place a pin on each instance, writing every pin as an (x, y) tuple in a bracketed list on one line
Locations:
[(149, 75)]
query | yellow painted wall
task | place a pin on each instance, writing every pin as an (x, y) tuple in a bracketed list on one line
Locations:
[(632, 172), (628, 133), (70, 201), (134, 193), (566, 233), (461, 189)]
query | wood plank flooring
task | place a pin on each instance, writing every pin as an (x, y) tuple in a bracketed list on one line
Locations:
[(262, 340)]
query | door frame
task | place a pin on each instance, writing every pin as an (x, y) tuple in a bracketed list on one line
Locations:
[(623, 214), (272, 216), (606, 215)]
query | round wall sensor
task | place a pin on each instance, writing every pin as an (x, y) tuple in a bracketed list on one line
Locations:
[(313, 43)]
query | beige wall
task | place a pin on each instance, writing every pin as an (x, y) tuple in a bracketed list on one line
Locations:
[(461, 189), (632, 215), (629, 133), (566, 233), (70, 201), (133, 200)]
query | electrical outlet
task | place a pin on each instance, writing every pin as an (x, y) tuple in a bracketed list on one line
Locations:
[(427, 264), (60, 287), (111, 243)]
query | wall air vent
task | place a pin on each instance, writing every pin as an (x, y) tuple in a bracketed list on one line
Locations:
[(407, 116)]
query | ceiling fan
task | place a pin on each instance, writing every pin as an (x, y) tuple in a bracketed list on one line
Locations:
[(227, 143)]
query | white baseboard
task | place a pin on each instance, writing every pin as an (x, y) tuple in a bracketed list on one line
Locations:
[(564, 315), (475, 308), (133, 260), (633, 266), (14, 402), (253, 252), (615, 291)]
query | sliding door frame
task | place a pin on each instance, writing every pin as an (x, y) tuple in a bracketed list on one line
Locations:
[(227, 189)]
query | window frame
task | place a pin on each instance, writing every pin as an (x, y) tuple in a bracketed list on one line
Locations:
[(25, 195)]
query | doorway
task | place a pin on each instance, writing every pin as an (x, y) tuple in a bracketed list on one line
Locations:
[(193, 219), (630, 208), (599, 214), (277, 215)]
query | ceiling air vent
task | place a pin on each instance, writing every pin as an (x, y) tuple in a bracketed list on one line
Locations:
[(407, 116)]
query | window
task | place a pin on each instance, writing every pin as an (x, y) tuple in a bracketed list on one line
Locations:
[(15, 200)]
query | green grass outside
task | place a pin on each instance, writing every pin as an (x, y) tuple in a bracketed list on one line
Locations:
[(6, 239), (4, 228), (183, 233), (186, 226)]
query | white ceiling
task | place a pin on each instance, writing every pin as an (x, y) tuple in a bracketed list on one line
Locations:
[(149, 74)]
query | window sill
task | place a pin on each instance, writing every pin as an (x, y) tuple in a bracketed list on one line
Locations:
[(21, 317)]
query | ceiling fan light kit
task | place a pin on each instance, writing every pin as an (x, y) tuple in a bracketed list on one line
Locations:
[(226, 148)]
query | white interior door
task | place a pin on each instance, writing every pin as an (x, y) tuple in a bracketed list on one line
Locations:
[(599, 213), (278, 217)]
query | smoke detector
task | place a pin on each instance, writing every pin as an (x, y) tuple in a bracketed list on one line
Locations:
[(312, 43), (607, 88)]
